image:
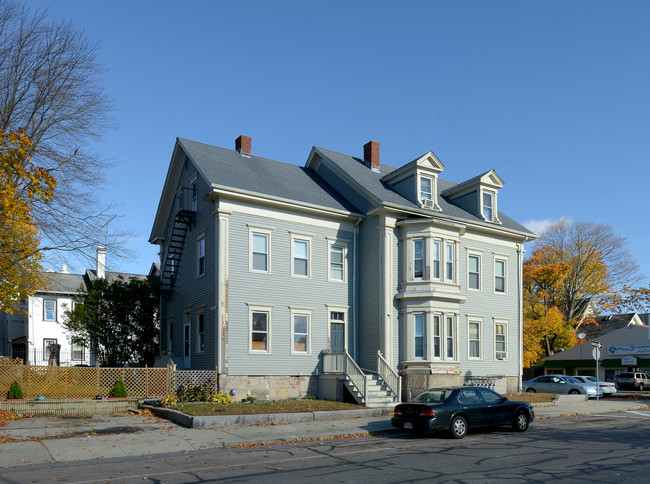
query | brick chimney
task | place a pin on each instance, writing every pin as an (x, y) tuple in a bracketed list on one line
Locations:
[(371, 155), (243, 145), (101, 262)]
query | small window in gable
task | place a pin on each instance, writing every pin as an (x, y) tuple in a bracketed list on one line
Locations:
[(427, 192), (488, 206)]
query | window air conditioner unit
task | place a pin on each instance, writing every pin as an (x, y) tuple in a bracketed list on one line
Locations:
[(427, 203), (502, 355)]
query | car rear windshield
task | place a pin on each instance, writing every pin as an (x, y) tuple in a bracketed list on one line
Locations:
[(432, 396), (626, 375)]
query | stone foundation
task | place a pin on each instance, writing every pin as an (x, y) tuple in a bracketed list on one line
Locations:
[(268, 387)]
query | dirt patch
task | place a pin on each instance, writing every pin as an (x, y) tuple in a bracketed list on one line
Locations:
[(531, 397)]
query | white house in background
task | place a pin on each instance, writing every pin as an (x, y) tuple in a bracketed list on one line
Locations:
[(28, 334)]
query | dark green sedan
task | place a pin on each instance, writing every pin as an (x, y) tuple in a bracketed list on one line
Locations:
[(459, 409)]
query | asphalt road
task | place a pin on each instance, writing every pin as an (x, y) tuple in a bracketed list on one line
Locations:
[(609, 448)]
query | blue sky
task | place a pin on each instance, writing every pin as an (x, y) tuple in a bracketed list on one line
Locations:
[(553, 95)]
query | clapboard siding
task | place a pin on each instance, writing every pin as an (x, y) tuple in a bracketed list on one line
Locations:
[(370, 291), (407, 188), (281, 291), (490, 307), (191, 291)]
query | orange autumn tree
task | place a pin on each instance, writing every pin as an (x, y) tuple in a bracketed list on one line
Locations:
[(21, 184), (554, 282)]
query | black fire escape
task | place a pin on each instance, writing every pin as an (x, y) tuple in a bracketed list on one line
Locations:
[(185, 208)]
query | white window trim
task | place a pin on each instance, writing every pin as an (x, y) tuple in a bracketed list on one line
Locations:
[(260, 231), (54, 341), (301, 311), (424, 258), (56, 309), (344, 245), (440, 258), (454, 318), (470, 254), (441, 332), (425, 355), (434, 190), (495, 216), (505, 274), (470, 321), (453, 262), (200, 312), (337, 309), (200, 237), (256, 308), (503, 323), (301, 238)]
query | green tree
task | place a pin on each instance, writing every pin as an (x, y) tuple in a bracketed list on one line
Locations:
[(119, 320)]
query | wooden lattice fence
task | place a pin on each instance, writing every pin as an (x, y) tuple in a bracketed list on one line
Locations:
[(193, 378), (85, 382)]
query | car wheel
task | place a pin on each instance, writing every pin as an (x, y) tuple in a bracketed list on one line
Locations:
[(531, 390), (641, 387), (521, 422), (458, 427), (573, 391)]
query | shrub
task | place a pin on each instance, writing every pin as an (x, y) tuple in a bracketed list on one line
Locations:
[(201, 393), (169, 400), (118, 390), (15, 391)]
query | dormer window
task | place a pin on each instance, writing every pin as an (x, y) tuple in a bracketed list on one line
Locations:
[(488, 206), (426, 188)]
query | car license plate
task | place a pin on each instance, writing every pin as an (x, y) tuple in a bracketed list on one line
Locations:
[(408, 425)]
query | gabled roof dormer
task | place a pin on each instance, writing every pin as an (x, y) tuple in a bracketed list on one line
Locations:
[(418, 180), (478, 196)]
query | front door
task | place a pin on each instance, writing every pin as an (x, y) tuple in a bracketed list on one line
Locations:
[(186, 346), (337, 337)]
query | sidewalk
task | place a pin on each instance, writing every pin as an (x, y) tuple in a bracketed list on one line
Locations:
[(65, 438)]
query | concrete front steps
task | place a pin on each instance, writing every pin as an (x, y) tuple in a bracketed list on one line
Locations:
[(379, 395)]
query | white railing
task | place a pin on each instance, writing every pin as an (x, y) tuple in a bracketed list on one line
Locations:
[(343, 363), (356, 375), (392, 379)]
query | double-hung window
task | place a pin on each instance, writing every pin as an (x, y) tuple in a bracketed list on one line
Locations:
[(437, 338), (260, 331), (501, 341), (300, 330), (500, 276), (436, 259), (418, 343), (474, 272), (260, 251), (200, 324), (450, 336), (195, 193), (49, 310), (301, 258), (418, 259), (77, 352), (49, 345), (337, 267), (474, 333), (449, 262), (426, 188), (488, 206), (201, 254)]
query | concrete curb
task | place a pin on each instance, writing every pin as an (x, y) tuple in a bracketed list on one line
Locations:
[(220, 421)]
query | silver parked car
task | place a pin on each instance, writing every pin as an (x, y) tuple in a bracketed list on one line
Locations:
[(607, 387), (560, 384)]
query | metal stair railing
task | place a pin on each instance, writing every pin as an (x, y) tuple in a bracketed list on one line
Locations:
[(391, 378), (356, 376)]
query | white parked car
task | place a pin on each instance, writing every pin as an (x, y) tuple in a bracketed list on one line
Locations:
[(607, 387)]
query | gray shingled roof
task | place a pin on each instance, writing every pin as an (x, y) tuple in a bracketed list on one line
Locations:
[(228, 168), (371, 181), (63, 283), (606, 324)]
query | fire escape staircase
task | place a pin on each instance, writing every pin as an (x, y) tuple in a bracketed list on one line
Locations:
[(183, 220)]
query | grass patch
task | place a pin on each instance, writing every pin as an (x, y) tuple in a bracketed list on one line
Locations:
[(287, 406), (531, 397)]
